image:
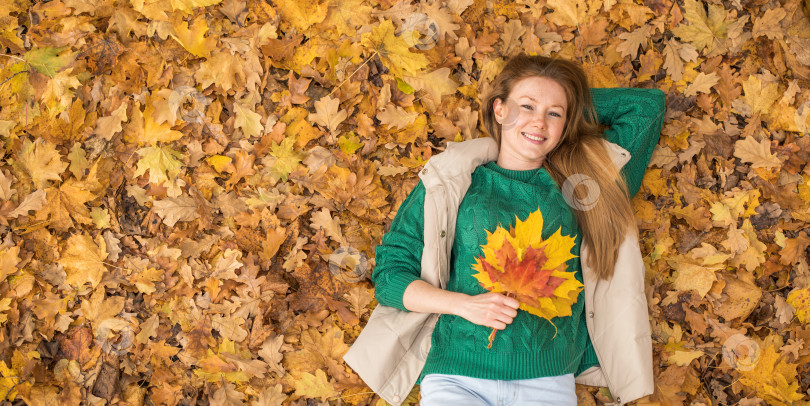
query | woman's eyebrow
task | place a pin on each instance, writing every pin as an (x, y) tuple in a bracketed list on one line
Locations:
[(534, 100)]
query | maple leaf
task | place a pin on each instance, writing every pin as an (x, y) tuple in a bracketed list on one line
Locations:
[(41, 161), (532, 270), (772, 376), (58, 94), (188, 5), (759, 96), (163, 163), (83, 259), (315, 386), (193, 39), (302, 14), (800, 300), (327, 114), (567, 13), (393, 50), (705, 30), (286, 159), (436, 84)]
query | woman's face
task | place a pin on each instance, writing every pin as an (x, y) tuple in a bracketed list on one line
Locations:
[(532, 120)]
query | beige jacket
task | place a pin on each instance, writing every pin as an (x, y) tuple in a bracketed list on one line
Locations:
[(391, 350)]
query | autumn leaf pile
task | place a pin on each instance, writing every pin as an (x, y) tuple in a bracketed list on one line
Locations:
[(519, 263), (191, 190)]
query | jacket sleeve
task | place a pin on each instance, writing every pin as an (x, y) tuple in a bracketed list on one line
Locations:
[(399, 256), (635, 117)]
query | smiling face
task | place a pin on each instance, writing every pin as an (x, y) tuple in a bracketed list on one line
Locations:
[(532, 122)]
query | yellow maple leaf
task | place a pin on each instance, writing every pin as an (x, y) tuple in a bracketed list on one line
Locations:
[(436, 84), (83, 260), (567, 13), (704, 30), (692, 274), (163, 164), (192, 38), (58, 94), (393, 50), (328, 114), (315, 386), (41, 161), (224, 69), (188, 5), (9, 379), (298, 128), (286, 159), (703, 83), (759, 96), (772, 376), (65, 204), (302, 14), (800, 300), (523, 265)]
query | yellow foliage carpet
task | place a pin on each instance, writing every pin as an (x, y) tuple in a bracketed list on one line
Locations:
[(191, 190)]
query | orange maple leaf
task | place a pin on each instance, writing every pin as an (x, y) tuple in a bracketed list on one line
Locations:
[(522, 265)]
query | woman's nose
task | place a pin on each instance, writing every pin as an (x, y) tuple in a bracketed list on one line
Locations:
[(538, 119)]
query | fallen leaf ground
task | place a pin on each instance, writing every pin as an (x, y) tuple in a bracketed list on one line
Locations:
[(191, 190)]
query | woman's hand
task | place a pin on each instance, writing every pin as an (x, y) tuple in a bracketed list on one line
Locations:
[(489, 309)]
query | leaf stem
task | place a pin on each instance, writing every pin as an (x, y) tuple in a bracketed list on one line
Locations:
[(350, 76)]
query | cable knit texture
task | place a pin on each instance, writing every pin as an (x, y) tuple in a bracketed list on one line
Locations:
[(525, 349)]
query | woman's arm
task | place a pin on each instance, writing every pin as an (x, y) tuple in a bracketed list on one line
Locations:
[(399, 256), (488, 309), (635, 117), (398, 270)]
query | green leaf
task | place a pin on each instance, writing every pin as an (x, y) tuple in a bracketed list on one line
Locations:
[(404, 87), (49, 60), (349, 142)]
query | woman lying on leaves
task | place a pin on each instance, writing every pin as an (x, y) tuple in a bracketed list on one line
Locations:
[(512, 270)]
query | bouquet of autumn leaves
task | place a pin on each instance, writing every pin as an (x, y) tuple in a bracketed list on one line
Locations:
[(520, 264)]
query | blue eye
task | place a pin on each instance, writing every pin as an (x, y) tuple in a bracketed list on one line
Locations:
[(555, 114), (527, 106)]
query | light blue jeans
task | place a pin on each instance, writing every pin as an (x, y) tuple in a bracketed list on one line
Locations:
[(444, 390)]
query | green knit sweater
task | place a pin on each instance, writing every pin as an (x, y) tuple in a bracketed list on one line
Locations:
[(525, 349)]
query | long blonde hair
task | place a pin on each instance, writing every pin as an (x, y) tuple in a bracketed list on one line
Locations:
[(580, 158)]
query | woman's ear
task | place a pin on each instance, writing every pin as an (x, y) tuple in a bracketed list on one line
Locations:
[(498, 109)]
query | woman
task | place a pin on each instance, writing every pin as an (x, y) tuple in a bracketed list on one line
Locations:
[(544, 137)]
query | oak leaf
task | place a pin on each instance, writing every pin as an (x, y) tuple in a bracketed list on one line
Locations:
[(395, 116), (757, 153)]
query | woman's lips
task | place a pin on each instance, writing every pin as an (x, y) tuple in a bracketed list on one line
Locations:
[(533, 137)]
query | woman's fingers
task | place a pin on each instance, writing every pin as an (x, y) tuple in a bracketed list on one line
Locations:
[(490, 309)]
